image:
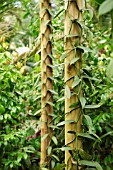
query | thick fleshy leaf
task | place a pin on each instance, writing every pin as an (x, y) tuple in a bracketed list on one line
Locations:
[(65, 122), (55, 140), (85, 49), (61, 99), (82, 101), (89, 123), (86, 135), (63, 56), (74, 61), (72, 35), (94, 106), (49, 150), (50, 103), (44, 137), (106, 7), (56, 157), (76, 81), (66, 148), (91, 163), (53, 92), (74, 105), (37, 112), (68, 93)]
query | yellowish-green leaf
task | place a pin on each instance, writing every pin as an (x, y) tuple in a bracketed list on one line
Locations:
[(65, 122), (76, 81), (44, 137), (91, 163), (55, 140), (83, 102), (68, 93), (106, 7)]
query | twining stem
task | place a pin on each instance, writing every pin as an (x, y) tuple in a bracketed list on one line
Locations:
[(73, 31)]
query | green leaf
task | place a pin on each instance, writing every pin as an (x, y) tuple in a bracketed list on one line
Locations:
[(89, 123), (91, 163), (11, 165), (53, 162), (53, 92), (19, 157), (82, 101), (50, 103), (71, 35), (85, 49), (76, 81), (65, 122), (86, 135), (25, 155), (55, 140), (61, 99), (1, 117), (110, 70), (37, 112), (2, 109), (106, 7), (37, 57), (44, 137), (56, 157), (53, 115), (66, 148), (94, 106), (74, 61), (53, 127), (74, 105), (91, 78), (63, 56), (68, 93), (29, 149), (26, 14), (49, 150)]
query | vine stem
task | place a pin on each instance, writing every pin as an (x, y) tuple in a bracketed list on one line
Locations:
[(73, 15), (47, 84)]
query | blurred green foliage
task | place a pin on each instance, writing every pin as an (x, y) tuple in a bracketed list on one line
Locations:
[(20, 92)]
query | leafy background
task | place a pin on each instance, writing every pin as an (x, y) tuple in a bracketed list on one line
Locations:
[(20, 86)]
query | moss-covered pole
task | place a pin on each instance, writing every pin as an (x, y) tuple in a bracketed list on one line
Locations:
[(73, 31), (46, 73)]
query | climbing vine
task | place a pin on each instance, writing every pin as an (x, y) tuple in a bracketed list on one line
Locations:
[(46, 72)]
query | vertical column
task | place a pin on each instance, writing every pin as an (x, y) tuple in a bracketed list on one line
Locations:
[(73, 32), (46, 73)]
